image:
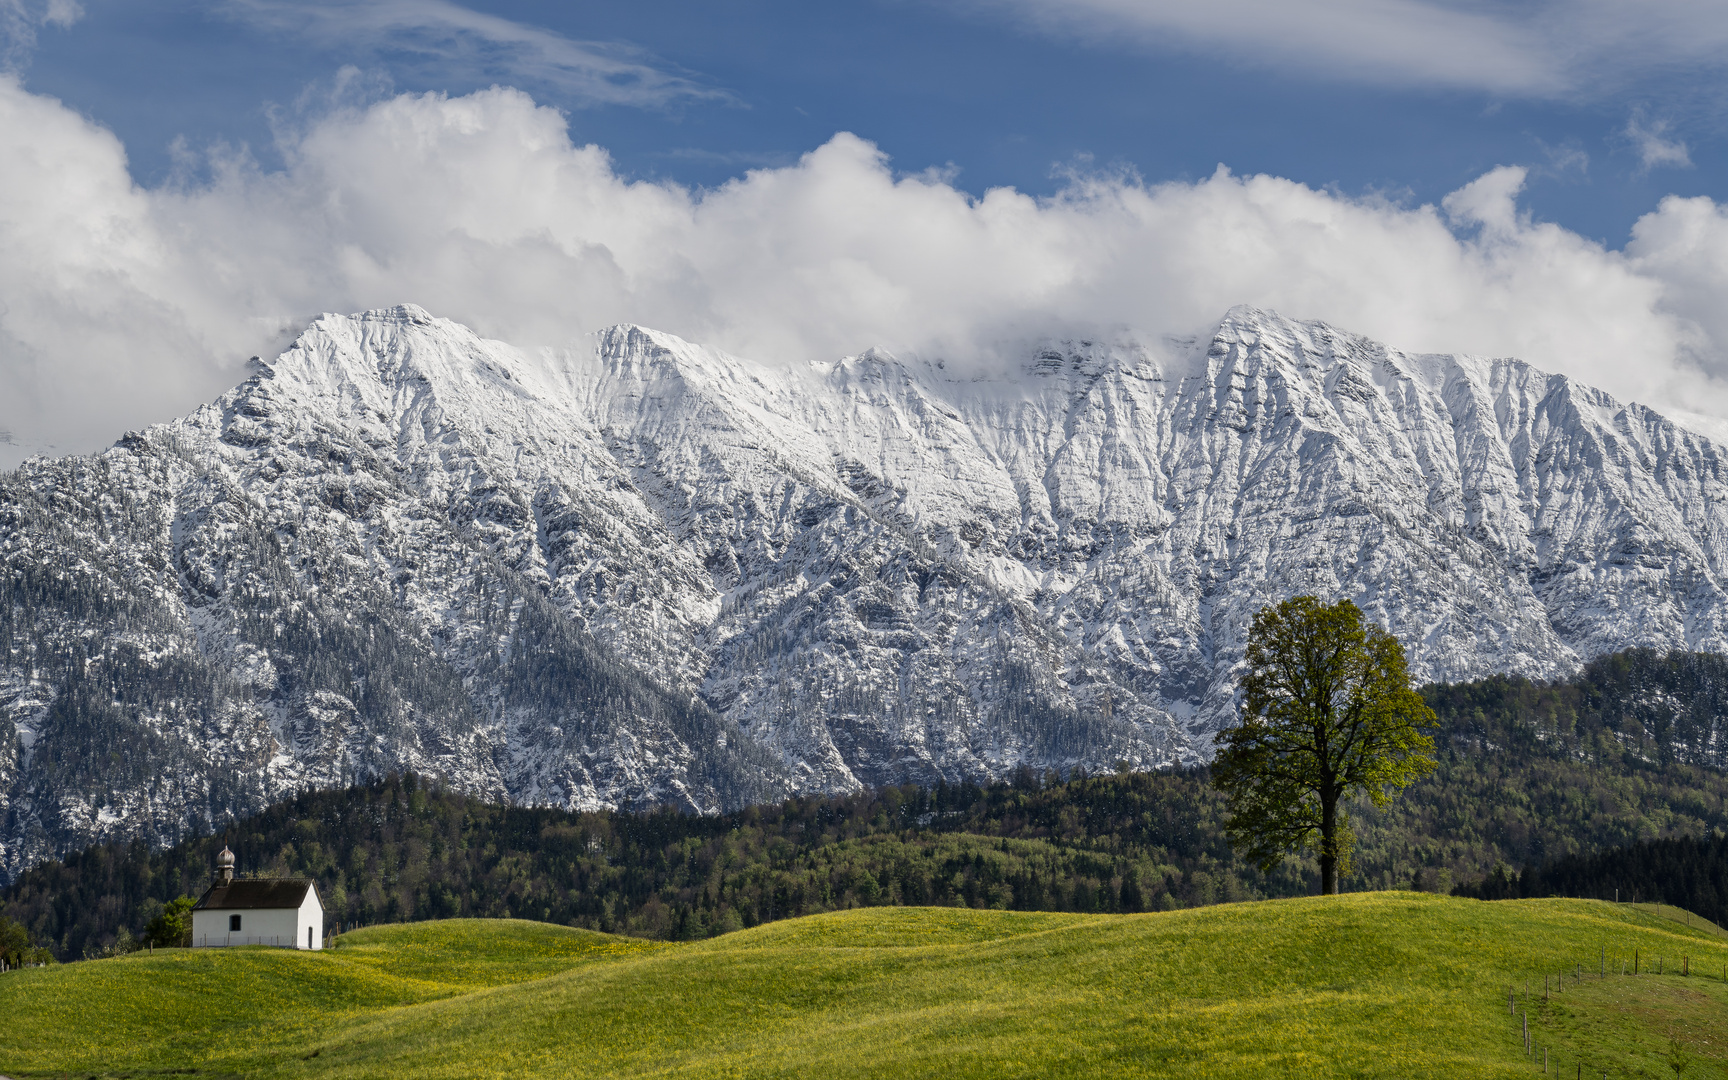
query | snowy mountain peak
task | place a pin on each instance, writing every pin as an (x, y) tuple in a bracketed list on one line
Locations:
[(652, 571)]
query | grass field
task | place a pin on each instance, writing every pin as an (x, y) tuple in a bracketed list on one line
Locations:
[(1369, 985)]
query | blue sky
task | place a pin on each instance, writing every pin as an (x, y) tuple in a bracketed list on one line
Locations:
[(185, 183), (1001, 98)]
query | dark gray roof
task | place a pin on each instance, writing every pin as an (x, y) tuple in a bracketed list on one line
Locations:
[(256, 893)]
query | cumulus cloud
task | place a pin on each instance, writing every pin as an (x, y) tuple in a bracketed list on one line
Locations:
[(1550, 48), (124, 306)]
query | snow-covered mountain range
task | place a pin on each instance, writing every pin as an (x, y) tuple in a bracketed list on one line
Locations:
[(653, 572)]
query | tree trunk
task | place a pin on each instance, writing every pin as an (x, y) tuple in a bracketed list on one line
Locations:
[(1328, 843)]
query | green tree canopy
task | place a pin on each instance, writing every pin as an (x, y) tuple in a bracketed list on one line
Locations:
[(173, 927), (1327, 709), (15, 947)]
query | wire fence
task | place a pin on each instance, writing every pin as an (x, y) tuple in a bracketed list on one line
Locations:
[(218, 941), (1556, 982)]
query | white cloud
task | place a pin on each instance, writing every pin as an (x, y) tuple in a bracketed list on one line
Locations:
[(1654, 149), (125, 306), (462, 44), (1547, 48), (1490, 201)]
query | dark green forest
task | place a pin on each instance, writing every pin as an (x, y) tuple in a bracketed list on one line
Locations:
[(1686, 871), (1632, 748), (1528, 773)]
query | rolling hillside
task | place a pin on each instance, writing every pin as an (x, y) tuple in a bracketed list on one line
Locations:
[(1362, 985)]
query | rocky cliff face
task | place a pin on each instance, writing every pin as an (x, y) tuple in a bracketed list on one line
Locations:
[(656, 573)]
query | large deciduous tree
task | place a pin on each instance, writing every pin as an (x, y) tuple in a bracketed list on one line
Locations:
[(1327, 710)]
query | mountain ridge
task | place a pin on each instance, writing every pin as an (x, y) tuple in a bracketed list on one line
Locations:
[(654, 572)]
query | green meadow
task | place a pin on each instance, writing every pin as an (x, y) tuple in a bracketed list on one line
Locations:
[(1368, 984)]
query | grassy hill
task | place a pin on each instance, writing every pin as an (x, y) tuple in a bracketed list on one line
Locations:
[(1375, 984)]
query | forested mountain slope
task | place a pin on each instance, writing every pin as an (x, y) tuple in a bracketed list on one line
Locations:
[(1527, 772)]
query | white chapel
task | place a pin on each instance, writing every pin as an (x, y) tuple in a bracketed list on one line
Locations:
[(284, 912)]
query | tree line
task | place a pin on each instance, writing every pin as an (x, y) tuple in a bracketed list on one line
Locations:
[(1687, 871), (402, 848), (1526, 773)]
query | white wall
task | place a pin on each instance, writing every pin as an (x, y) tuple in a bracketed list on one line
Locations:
[(282, 927), (258, 926), (311, 917)]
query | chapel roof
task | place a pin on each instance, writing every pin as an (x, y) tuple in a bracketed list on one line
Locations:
[(256, 893)]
